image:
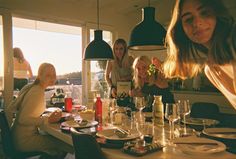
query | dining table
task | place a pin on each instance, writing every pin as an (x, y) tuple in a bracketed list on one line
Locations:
[(167, 152)]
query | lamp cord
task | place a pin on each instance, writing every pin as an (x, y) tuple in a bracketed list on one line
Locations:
[(98, 13)]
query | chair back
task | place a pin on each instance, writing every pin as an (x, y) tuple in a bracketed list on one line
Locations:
[(8, 144), (205, 110), (86, 146), (8, 147)]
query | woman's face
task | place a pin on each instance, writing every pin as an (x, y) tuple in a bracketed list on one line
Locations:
[(142, 68), (50, 76), (198, 22), (119, 51)]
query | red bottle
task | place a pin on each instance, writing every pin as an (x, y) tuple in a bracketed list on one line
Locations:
[(68, 102), (98, 110)]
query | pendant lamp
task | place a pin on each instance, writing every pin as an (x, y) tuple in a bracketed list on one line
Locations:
[(98, 49), (148, 34)]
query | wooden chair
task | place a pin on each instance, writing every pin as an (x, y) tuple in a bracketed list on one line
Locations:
[(86, 146), (7, 142), (205, 110)]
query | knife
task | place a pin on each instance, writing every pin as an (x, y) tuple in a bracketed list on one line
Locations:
[(197, 143), (222, 132)]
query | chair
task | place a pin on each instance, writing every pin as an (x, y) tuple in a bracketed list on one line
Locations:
[(86, 146), (205, 110), (7, 142)]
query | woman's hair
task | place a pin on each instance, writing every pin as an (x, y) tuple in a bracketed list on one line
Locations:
[(183, 54), (137, 81), (125, 59), (17, 53), (42, 71)]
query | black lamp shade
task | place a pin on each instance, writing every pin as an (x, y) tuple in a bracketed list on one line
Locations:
[(98, 49), (148, 34)]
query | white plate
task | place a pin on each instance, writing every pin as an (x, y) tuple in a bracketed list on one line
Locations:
[(201, 121), (199, 146), (75, 124), (225, 133), (110, 135), (52, 109)]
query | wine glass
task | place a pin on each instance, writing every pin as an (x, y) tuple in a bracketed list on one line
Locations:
[(183, 110), (139, 104), (172, 115)]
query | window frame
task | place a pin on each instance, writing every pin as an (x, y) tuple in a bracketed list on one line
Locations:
[(7, 17)]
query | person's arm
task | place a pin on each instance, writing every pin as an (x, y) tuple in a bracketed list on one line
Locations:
[(32, 108), (107, 73), (30, 71), (161, 81)]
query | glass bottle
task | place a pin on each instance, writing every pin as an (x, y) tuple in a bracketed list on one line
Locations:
[(98, 110), (158, 111), (68, 102)]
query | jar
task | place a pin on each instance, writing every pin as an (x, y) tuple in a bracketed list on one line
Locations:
[(158, 111), (119, 116)]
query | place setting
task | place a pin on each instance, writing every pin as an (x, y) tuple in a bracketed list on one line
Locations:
[(198, 145)]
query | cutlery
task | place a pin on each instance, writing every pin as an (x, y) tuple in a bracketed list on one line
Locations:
[(222, 132), (197, 143), (123, 131)]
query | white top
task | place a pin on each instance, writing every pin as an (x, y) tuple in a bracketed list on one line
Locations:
[(21, 74), (224, 78)]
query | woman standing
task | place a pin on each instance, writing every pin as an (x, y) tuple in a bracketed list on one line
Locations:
[(202, 35), (121, 68), (22, 69)]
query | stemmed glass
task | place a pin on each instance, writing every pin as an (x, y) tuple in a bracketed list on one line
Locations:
[(139, 104), (183, 110), (171, 114)]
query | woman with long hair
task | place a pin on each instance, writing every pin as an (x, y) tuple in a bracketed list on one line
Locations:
[(202, 36), (146, 83), (29, 107), (120, 69), (22, 69)]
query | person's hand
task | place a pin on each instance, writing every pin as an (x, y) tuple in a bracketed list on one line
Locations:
[(135, 92), (113, 93), (55, 116), (156, 62)]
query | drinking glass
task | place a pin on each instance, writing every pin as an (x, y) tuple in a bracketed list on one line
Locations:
[(146, 131), (139, 104), (171, 114), (183, 110)]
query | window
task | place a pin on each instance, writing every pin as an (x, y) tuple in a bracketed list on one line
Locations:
[(98, 82), (54, 43)]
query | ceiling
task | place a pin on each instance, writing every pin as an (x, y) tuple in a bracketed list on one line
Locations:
[(132, 9), (127, 7)]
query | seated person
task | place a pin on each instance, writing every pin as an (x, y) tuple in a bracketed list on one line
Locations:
[(29, 107), (148, 83)]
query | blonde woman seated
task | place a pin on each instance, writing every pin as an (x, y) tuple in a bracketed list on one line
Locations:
[(29, 107), (150, 84)]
